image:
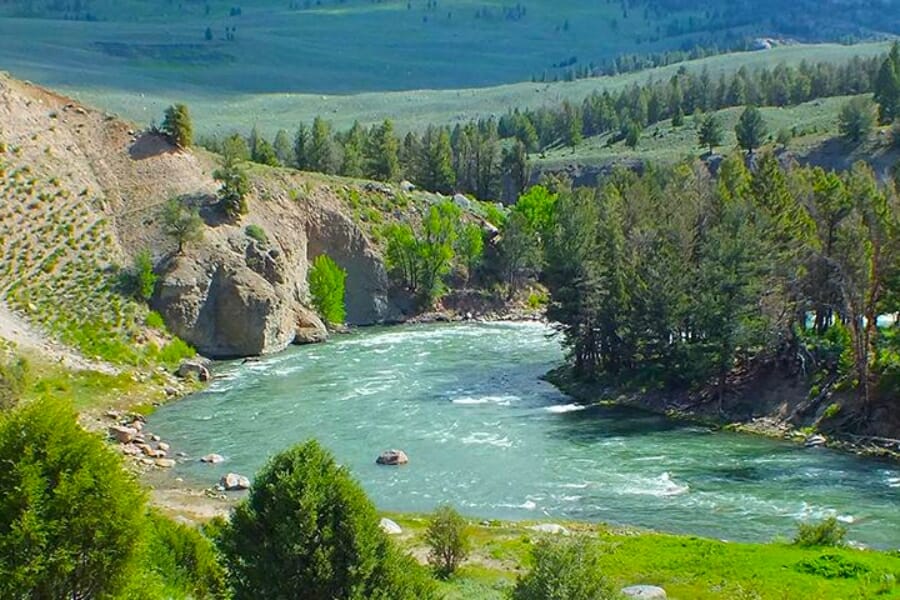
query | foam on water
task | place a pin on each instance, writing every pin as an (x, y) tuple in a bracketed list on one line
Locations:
[(564, 408)]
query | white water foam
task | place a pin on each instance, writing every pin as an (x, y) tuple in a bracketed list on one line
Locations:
[(564, 408), (489, 439), (475, 400), (660, 487)]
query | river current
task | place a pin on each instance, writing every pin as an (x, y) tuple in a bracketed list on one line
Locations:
[(484, 433)]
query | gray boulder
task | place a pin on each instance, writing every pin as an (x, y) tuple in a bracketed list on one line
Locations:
[(197, 369), (392, 458), (644, 592), (233, 482)]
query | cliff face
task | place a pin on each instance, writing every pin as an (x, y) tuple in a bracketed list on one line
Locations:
[(228, 295)]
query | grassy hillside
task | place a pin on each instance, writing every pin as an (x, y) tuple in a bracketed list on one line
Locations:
[(349, 46), (813, 128), (220, 111)]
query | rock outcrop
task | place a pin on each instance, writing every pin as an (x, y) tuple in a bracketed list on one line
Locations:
[(236, 298)]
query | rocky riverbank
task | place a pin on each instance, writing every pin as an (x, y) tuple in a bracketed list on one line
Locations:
[(774, 402)]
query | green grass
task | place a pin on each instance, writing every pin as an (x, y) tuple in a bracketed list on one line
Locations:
[(689, 568)]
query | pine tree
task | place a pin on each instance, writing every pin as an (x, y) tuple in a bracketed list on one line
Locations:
[(710, 133), (887, 87), (355, 143), (384, 155), (302, 148), (321, 152), (178, 126), (283, 148), (751, 129)]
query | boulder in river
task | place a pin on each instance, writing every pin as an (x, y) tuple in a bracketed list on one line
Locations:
[(212, 459), (233, 482), (165, 463), (390, 527), (189, 367), (644, 592), (392, 457), (814, 441)]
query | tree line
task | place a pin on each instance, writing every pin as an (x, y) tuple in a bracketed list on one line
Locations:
[(488, 158), (681, 279)]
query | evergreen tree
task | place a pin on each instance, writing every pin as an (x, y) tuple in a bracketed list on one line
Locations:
[(320, 156), (355, 143), (438, 174), (302, 148), (887, 87), (710, 133), (177, 125), (284, 151), (384, 156), (751, 129), (515, 170), (264, 153), (857, 119)]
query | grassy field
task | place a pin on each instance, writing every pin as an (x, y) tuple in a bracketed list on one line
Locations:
[(224, 112), (688, 568), (350, 46)]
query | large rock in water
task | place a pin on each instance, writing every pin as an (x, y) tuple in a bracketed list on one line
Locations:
[(236, 299), (233, 482), (392, 457)]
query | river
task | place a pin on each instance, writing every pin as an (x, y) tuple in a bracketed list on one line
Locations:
[(484, 433)]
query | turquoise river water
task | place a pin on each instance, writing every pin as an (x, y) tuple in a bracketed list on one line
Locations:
[(484, 433)]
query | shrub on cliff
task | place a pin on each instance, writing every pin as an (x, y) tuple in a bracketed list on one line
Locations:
[(307, 530), (566, 569), (326, 286), (178, 126), (70, 516)]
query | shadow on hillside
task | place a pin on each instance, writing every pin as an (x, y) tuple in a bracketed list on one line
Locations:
[(150, 144), (833, 153)]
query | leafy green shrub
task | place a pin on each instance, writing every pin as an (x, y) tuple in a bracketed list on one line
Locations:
[(564, 569), (140, 281), (326, 286), (448, 540), (307, 530), (255, 232), (155, 320), (825, 533), (13, 378), (70, 516), (184, 558), (176, 351), (832, 566), (832, 411), (537, 300)]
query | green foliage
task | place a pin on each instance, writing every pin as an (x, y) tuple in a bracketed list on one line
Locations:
[(141, 280), (887, 87), (538, 206), (831, 411), (70, 517), (155, 320), (257, 233), (307, 530), (828, 532), (234, 189), (447, 539), (857, 119), (710, 133), (565, 569), (520, 249), (178, 126), (183, 558), (469, 247), (176, 351), (235, 150), (264, 154), (751, 129), (420, 260), (181, 224), (13, 379), (832, 566), (326, 286)]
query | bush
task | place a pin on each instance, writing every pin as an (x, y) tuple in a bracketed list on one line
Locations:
[(140, 281), (307, 530), (70, 516), (176, 351), (13, 378), (448, 540), (255, 232), (825, 533), (155, 320), (184, 558), (832, 566), (326, 286), (564, 569)]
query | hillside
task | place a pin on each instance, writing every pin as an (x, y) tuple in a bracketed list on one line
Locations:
[(83, 193), (814, 138), (219, 111), (272, 46)]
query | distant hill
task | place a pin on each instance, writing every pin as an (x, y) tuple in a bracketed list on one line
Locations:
[(352, 46)]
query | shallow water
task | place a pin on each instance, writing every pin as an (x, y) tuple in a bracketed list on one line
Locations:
[(484, 433)]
